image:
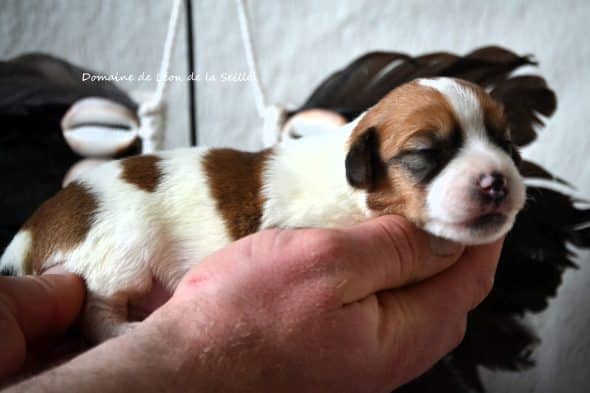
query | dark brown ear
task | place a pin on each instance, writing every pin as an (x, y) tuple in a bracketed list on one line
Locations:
[(362, 161)]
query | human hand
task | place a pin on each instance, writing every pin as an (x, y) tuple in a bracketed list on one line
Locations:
[(34, 310), (365, 308)]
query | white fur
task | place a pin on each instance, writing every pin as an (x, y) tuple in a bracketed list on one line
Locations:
[(16, 252), (305, 184), (465, 104), (189, 213), (137, 235), (161, 233)]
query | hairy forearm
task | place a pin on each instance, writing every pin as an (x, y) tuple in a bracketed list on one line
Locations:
[(139, 361)]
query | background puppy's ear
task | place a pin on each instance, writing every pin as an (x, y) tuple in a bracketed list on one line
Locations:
[(527, 101), (362, 161)]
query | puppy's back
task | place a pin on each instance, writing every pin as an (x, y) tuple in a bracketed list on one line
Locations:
[(126, 219), (58, 225)]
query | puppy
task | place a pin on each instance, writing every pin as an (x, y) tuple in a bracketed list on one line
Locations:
[(436, 151)]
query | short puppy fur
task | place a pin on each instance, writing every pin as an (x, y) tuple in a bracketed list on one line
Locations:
[(437, 151)]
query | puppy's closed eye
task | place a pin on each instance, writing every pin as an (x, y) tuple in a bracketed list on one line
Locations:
[(426, 154), (422, 164)]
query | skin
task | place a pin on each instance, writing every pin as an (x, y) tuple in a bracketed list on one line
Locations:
[(365, 308), (33, 311)]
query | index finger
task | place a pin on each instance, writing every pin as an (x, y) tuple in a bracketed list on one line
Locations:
[(33, 307), (463, 286), (434, 312)]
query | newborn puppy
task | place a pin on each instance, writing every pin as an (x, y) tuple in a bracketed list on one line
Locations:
[(436, 151)]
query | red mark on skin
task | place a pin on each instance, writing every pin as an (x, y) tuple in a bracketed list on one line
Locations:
[(195, 280)]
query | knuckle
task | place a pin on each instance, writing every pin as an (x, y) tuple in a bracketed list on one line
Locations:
[(253, 246), (322, 246)]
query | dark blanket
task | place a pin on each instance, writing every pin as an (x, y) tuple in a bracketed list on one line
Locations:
[(35, 92)]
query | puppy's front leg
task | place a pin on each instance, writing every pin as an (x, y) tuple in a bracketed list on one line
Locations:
[(106, 317)]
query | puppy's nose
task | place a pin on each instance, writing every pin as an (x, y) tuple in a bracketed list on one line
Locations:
[(493, 187)]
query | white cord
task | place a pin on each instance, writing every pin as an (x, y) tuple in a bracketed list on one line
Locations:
[(259, 94), (273, 115), (168, 49), (151, 112)]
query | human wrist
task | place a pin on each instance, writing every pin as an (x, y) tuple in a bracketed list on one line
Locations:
[(210, 347), (142, 360), (182, 350)]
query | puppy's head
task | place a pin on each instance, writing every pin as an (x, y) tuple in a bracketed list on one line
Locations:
[(439, 152)]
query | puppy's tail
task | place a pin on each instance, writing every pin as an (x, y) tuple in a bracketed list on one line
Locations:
[(12, 262)]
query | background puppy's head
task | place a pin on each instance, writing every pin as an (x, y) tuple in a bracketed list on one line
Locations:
[(438, 151)]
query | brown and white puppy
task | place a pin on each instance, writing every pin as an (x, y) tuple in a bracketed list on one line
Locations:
[(436, 151)]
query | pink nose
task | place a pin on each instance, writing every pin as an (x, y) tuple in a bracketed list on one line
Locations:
[(493, 187)]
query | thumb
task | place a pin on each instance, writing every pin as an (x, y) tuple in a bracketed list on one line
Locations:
[(389, 252)]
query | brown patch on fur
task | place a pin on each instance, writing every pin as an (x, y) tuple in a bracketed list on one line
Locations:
[(60, 224), (235, 179), (396, 194), (142, 171), (399, 118), (404, 112)]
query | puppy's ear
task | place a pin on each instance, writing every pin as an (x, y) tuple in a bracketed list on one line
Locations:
[(363, 163)]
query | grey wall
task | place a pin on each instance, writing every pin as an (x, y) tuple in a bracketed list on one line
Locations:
[(299, 43)]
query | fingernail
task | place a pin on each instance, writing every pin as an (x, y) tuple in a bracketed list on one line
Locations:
[(443, 247), (56, 270)]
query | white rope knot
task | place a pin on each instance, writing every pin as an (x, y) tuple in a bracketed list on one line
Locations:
[(152, 115)]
